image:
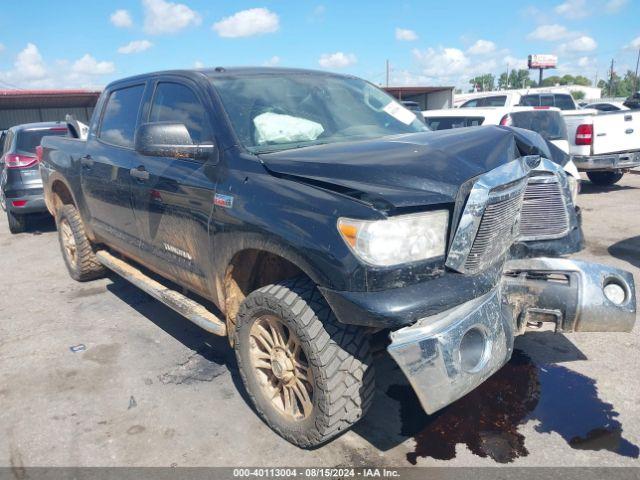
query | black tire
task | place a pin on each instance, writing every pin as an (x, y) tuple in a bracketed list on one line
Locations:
[(17, 223), (338, 357), (604, 178), (85, 266)]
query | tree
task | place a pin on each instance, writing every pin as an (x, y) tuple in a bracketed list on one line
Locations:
[(515, 79), (483, 83), (578, 95), (566, 80)]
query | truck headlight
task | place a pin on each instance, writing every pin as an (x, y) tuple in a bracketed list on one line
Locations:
[(396, 240), (574, 187)]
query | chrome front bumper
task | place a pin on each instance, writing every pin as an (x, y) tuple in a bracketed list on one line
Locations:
[(614, 161), (569, 293)]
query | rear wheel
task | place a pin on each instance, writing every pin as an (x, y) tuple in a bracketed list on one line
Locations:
[(76, 248), (309, 376), (604, 178), (17, 223)]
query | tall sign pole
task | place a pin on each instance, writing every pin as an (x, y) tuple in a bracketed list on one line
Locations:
[(540, 63), (635, 80)]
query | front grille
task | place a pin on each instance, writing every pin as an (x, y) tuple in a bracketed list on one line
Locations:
[(497, 230), (544, 211)]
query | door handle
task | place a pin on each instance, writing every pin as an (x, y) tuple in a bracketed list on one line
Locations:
[(86, 162), (139, 173)]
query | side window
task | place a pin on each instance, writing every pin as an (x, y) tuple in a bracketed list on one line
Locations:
[(120, 116), (8, 140), (174, 102), (470, 104), (495, 101)]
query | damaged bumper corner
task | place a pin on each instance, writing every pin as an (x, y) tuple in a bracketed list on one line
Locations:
[(447, 355), (433, 352), (577, 296)]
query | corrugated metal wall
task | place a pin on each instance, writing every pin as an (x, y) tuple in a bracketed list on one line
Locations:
[(18, 116)]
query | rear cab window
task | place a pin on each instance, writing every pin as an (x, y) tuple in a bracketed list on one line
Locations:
[(120, 116), (564, 102), (548, 123)]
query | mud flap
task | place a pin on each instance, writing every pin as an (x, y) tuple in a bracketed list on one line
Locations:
[(576, 296)]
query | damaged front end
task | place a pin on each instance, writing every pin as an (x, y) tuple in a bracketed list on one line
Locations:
[(446, 355)]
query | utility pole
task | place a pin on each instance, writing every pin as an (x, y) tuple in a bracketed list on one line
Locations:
[(611, 79), (635, 80), (387, 73)]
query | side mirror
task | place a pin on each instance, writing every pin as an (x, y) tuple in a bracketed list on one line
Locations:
[(166, 139)]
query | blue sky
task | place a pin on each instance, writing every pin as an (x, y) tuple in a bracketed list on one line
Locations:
[(63, 43)]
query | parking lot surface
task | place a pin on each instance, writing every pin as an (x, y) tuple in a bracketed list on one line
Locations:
[(100, 374)]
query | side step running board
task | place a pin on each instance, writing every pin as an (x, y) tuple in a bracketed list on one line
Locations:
[(190, 309)]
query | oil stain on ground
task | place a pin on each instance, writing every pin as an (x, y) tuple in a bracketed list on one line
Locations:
[(487, 419)]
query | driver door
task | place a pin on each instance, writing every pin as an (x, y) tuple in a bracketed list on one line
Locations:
[(173, 197)]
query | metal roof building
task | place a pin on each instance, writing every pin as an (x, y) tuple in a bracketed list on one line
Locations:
[(429, 98), (28, 106)]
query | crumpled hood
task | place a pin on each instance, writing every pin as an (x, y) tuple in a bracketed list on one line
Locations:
[(409, 170)]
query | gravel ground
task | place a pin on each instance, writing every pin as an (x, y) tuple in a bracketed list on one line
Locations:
[(100, 374)]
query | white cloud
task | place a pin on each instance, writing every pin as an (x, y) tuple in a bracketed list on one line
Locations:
[(198, 64), (573, 9), (161, 17), (136, 46), (319, 11), (583, 43), (634, 44), (442, 62), (337, 60), (29, 63), (121, 18), (406, 35), (614, 6), (2, 47), (549, 33), (247, 23), (87, 65), (481, 47), (514, 62), (272, 62), (31, 71), (585, 62)]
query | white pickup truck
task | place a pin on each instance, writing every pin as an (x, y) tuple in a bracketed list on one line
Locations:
[(605, 145)]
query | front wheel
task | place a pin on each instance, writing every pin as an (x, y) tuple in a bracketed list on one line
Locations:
[(309, 376), (604, 178)]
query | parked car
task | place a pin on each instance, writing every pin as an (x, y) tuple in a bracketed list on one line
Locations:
[(607, 106), (546, 121), (633, 102), (605, 145), (312, 209), (20, 182), (606, 155), (410, 105)]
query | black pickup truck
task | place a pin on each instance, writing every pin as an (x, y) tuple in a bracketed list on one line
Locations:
[(300, 212)]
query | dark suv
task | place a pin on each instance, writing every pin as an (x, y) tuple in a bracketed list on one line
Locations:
[(20, 182)]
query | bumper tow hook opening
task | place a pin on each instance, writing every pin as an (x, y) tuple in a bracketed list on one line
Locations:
[(615, 291), (473, 350)]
